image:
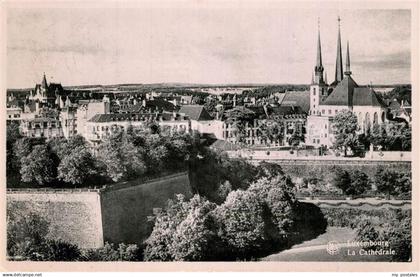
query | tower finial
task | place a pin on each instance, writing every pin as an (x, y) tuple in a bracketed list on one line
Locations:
[(348, 71)]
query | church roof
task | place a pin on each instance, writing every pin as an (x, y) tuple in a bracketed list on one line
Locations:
[(367, 97), (195, 112), (342, 95), (296, 98)]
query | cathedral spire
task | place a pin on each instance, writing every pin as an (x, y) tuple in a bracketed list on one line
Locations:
[(318, 53), (348, 71), (339, 62), (319, 69)]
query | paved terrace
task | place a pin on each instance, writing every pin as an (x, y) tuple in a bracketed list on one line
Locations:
[(297, 155)]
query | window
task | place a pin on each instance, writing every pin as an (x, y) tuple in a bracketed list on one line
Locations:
[(323, 111), (325, 135), (326, 126), (314, 91), (329, 111)]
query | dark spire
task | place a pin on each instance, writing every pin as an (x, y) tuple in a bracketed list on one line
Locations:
[(319, 69), (44, 82), (339, 62), (348, 71), (318, 53)]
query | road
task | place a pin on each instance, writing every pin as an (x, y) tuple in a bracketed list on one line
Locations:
[(316, 250)]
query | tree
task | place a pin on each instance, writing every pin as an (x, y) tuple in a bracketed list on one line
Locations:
[(394, 227), (27, 239), (341, 179), (12, 135), (352, 184), (271, 130), (240, 118), (77, 167), (359, 183), (278, 195), (63, 147), (345, 131), (400, 93), (268, 170), (121, 158), (242, 222), (38, 166), (110, 252), (392, 183), (184, 231), (378, 136), (210, 106)]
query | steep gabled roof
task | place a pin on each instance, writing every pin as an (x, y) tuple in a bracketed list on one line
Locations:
[(296, 98), (195, 112), (366, 97), (342, 95)]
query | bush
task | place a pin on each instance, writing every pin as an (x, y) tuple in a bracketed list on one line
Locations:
[(393, 227), (393, 183), (353, 184), (184, 231), (27, 239), (110, 252)]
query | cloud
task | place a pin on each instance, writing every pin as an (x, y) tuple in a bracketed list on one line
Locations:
[(398, 60)]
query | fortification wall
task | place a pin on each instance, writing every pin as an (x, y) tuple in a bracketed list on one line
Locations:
[(74, 216), (125, 208), (90, 217)]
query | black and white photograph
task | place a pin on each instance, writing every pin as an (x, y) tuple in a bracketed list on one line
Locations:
[(201, 131)]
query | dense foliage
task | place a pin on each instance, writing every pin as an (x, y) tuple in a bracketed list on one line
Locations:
[(391, 136), (250, 222), (122, 156), (27, 240), (387, 225), (352, 183), (393, 183), (345, 128)]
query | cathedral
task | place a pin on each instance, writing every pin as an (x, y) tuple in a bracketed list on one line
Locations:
[(326, 100)]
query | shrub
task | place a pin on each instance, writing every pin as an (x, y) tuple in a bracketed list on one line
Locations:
[(184, 231), (393, 227), (27, 239), (393, 183), (110, 252), (242, 222)]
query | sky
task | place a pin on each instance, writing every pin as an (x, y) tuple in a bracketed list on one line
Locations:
[(201, 43)]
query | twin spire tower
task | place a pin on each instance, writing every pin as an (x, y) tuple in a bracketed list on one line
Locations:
[(320, 89), (319, 68)]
